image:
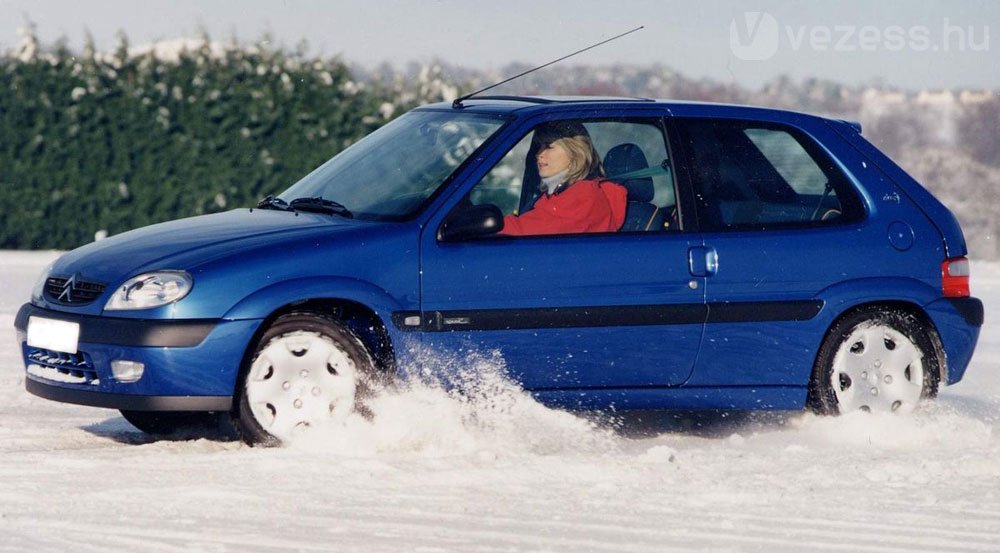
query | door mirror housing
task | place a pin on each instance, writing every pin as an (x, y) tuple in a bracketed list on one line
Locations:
[(471, 222)]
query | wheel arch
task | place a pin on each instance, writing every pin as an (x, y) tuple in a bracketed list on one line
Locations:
[(908, 307), (364, 308), (359, 318), (906, 293)]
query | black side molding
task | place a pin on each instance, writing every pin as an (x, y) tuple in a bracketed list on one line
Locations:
[(126, 332), (971, 310), (763, 311), (601, 316), (127, 402)]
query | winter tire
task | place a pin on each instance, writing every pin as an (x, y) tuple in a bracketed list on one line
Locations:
[(307, 369), (876, 359)]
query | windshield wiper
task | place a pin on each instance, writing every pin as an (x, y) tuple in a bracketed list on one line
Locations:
[(320, 205), (315, 205), (273, 202)]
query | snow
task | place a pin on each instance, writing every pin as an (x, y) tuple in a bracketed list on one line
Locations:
[(171, 50), (53, 374), (495, 471)]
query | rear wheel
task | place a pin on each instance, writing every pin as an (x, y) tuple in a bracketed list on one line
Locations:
[(876, 359), (161, 423), (307, 369)]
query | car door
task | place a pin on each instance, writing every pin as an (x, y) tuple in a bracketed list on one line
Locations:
[(782, 223), (609, 310)]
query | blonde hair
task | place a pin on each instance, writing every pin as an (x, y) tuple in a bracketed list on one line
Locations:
[(584, 162)]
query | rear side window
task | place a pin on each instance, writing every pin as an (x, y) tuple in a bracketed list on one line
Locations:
[(749, 175)]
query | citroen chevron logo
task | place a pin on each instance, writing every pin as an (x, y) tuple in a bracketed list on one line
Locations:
[(67, 291)]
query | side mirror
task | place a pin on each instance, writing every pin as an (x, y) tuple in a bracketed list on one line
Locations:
[(471, 222)]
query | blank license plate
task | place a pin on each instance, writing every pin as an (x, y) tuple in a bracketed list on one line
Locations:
[(53, 335)]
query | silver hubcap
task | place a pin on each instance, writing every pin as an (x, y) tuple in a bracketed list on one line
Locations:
[(298, 380), (877, 369)]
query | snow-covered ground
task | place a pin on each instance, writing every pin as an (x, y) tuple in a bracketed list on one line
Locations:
[(501, 473)]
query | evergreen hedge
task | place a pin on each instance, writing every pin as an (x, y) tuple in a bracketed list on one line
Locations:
[(92, 143)]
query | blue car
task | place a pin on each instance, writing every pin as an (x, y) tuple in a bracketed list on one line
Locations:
[(764, 259)]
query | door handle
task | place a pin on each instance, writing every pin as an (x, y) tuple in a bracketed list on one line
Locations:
[(703, 261)]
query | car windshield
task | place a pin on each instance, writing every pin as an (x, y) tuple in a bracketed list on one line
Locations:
[(390, 173)]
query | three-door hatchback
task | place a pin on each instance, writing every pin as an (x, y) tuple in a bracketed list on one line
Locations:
[(759, 259)]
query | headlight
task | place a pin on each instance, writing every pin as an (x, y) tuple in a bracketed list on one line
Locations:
[(39, 289), (150, 290)]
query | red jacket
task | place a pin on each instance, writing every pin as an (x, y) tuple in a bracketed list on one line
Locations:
[(584, 206)]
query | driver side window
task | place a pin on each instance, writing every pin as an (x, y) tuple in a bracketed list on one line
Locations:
[(632, 155), (502, 185)]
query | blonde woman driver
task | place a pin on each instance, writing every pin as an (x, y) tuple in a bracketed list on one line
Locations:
[(575, 198)]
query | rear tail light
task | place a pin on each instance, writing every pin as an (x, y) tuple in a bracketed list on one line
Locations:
[(955, 277)]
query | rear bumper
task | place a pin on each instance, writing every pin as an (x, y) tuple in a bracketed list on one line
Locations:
[(958, 322), (127, 402)]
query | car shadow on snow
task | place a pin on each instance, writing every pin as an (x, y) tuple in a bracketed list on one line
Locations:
[(119, 430), (642, 424), (628, 424)]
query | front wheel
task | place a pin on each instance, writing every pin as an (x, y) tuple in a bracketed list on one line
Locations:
[(876, 359), (307, 369)]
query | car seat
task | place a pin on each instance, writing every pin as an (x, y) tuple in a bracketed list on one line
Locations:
[(640, 213)]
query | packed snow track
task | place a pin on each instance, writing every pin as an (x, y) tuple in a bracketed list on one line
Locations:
[(495, 471)]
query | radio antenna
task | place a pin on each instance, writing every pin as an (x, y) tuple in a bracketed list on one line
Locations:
[(458, 101)]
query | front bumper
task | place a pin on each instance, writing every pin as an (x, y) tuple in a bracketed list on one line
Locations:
[(128, 402), (190, 365), (126, 332)]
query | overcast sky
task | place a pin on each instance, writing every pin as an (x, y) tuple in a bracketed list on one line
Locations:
[(910, 44)]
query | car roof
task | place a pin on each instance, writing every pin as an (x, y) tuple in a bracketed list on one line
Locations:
[(528, 105)]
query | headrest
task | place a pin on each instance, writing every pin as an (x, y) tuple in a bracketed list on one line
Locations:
[(625, 158)]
